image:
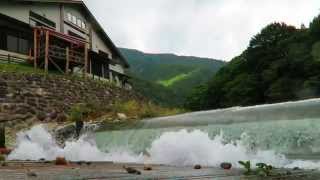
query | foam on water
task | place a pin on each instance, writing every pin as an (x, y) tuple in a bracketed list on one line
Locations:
[(179, 148), (37, 143)]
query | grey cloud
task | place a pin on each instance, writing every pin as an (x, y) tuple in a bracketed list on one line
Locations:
[(207, 28)]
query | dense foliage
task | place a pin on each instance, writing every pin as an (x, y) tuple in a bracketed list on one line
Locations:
[(281, 63), (167, 78)]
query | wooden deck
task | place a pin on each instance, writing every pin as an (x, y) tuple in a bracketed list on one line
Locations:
[(105, 170)]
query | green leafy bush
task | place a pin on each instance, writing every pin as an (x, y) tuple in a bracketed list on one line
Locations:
[(2, 158)]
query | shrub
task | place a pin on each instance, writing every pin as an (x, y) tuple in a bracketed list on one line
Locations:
[(2, 158), (79, 112)]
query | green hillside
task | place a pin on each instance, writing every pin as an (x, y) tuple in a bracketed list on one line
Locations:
[(281, 64), (168, 78)]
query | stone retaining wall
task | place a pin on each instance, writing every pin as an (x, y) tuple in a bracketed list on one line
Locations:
[(30, 97)]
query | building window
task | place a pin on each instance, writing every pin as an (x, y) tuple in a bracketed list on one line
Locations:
[(17, 44), (74, 20), (12, 43), (69, 17), (83, 25), (23, 46), (34, 17), (79, 22)]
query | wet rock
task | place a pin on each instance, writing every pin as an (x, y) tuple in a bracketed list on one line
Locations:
[(5, 151), (41, 116), (32, 174), (61, 161), (296, 168), (4, 164), (147, 168), (80, 163), (226, 165), (198, 166), (131, 170)]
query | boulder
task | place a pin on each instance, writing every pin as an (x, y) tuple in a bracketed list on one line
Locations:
[(226, 165), (147, 168), (198, 166), (61, 161), (122, 116), (5, 151)]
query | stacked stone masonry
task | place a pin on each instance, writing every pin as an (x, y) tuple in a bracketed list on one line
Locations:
[(40, 97)]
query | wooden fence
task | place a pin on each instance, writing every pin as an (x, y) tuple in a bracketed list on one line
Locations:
[(8, 58)]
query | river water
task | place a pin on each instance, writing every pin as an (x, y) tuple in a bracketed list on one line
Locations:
[(284, 135)]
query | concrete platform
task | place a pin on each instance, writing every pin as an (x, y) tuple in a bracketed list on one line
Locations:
[(109, 170)]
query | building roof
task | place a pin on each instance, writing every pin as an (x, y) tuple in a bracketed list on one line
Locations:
[(94, 21)]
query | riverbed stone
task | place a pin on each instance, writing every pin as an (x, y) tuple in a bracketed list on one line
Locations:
[(122, 116)]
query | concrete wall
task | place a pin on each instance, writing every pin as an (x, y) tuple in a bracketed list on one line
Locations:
[(50, 11)]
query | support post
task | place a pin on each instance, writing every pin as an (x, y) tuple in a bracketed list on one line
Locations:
[(9, 59), (85, 59), (102, 70), (46, 58), (35, 42), (67, 60), (2, 136), (90, 66)]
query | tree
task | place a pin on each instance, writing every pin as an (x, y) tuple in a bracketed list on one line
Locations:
[(315, 28), (281, 63), (197, 100)]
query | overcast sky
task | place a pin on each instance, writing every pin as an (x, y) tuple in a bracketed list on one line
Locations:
[(218, 29)]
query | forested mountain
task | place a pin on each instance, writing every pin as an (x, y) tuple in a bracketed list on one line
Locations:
[(168, 78), (281, 63)]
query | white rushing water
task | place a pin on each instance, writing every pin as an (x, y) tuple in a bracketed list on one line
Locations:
[(38, 143), (180, 148)]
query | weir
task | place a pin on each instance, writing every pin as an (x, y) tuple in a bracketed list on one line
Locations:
[(284, 135), (306, 109)]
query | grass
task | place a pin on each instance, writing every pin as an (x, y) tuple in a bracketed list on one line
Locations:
[(180, 77), (133, 109), (23, 67), (141, 110)]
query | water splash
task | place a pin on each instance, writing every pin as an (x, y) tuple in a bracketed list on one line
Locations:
[(38, 143), (180, 148), (185, 148)]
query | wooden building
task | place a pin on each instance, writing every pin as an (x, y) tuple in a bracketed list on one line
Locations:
[(61, 35)]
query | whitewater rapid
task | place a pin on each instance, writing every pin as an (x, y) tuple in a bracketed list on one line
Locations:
[(179, 148)]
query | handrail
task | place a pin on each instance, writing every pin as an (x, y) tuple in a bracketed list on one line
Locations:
[(71, 39)]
